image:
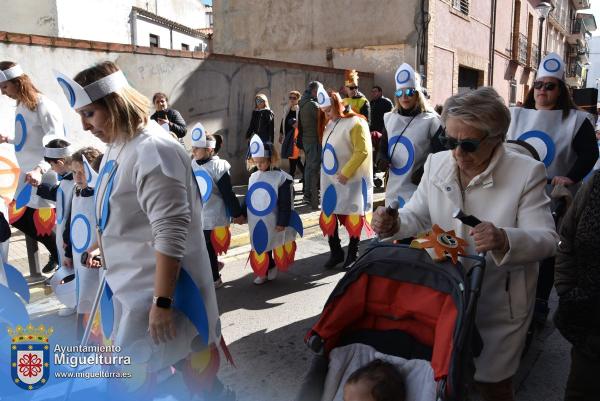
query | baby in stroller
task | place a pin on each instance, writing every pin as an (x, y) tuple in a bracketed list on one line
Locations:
[(376, 381)]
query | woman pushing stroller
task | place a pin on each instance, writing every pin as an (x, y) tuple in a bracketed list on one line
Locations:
[(506, 191)]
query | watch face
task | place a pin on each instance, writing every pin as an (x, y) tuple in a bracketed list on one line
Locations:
[(163, 302)]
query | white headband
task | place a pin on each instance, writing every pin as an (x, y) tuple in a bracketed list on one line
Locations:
[(79, 96), (11, 73), (57, 153)]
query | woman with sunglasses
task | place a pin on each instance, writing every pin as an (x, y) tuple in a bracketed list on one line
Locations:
[(506, 191), (150, 229), (263, 120), (409, 136), (565, 140)]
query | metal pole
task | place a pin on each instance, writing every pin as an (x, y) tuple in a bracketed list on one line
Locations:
[(95, 305), (541, 28)]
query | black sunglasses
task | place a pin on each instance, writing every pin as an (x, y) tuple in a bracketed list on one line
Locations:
[(352, 87), (466, 145), (293, 98), (549, 86)]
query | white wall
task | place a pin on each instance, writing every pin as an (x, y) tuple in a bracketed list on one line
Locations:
[(144, 29), (192, 42), (187, 12), (29, 16)]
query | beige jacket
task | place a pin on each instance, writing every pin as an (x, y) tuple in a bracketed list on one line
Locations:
[(509, 193)]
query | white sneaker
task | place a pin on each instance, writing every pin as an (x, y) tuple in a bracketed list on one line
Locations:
[(66, 312), (272, 274), (260, 280)]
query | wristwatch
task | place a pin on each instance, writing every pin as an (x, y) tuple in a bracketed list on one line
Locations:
[(162, 302)]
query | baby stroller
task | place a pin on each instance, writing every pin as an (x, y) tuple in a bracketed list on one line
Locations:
[(371, 305)]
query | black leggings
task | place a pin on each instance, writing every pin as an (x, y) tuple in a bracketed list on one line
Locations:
[(545, 279), (27, 226), (296, 163), (212, 256)]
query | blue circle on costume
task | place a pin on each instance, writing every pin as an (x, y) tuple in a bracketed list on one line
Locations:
[(552, 65), (548, 142), (60, 205), (205, 177), (403, 141), (272, 201), (76, 242), (20, 132), (254, 148), (88, 172), (329, 150), (197, 134), (401, 202), (68, 89), (329, 201), (365, 193), (109, 169), (321, 98), (402, 76)]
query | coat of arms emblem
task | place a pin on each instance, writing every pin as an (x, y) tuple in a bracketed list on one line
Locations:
[(30, 356)]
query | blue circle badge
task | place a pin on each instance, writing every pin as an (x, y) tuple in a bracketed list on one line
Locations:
[(197, 134), (321, 98), (20, 132), (397, 146), (68, 90), (330, 161), (261, 199), (552, 65), (542, 143), (402, 77), (60, 205), (109, 170), (81, 233), (254, 148)]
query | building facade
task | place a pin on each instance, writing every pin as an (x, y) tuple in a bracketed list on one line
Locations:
[(457, 45), (172, 24)]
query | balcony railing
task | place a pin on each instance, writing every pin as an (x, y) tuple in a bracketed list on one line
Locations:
[(522, 55), (535, 62), (461, 5)]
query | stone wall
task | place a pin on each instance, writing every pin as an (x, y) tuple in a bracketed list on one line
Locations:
[(217, 90)]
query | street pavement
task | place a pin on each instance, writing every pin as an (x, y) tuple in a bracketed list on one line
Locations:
[(265, 325)]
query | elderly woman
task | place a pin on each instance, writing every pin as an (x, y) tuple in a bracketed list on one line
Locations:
[(506, 191), (148, 216)]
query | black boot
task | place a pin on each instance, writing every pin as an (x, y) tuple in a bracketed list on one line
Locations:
[(50, 266), (336, 253), (352, 252)]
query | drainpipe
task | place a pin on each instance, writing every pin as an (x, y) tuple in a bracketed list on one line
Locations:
[(492, 44), (133, 27), (171, 35)]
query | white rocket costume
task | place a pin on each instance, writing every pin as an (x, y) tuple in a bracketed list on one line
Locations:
[(261, 203), (83, 234), (33, 129), (409, 141), (546, 130), (214, 212), (355, 198), (64, 195), (143, 185)]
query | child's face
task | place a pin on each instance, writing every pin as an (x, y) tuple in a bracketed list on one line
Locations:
[(359, 391), (59, 166), (263, 163), (79, 174), (201, 153)]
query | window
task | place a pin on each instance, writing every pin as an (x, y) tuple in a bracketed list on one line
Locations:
[(185, 46), (154, 41), (209, 15), (461, 5)]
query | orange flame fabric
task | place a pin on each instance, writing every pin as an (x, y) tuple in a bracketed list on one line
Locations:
[(15, 214), (327, 224), (44, 220), (259, 263), (220, 238), (280, 258), (290, 252), (442, 244), (354, 224), (200, 369)]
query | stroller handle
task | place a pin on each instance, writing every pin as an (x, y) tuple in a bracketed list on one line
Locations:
[(391, 210)]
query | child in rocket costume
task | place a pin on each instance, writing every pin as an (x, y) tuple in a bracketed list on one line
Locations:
[(272, 222), (148, 214), (33, 129), (554, 133), (346, 176), (409, 135), (83, 233), (219, 202)]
